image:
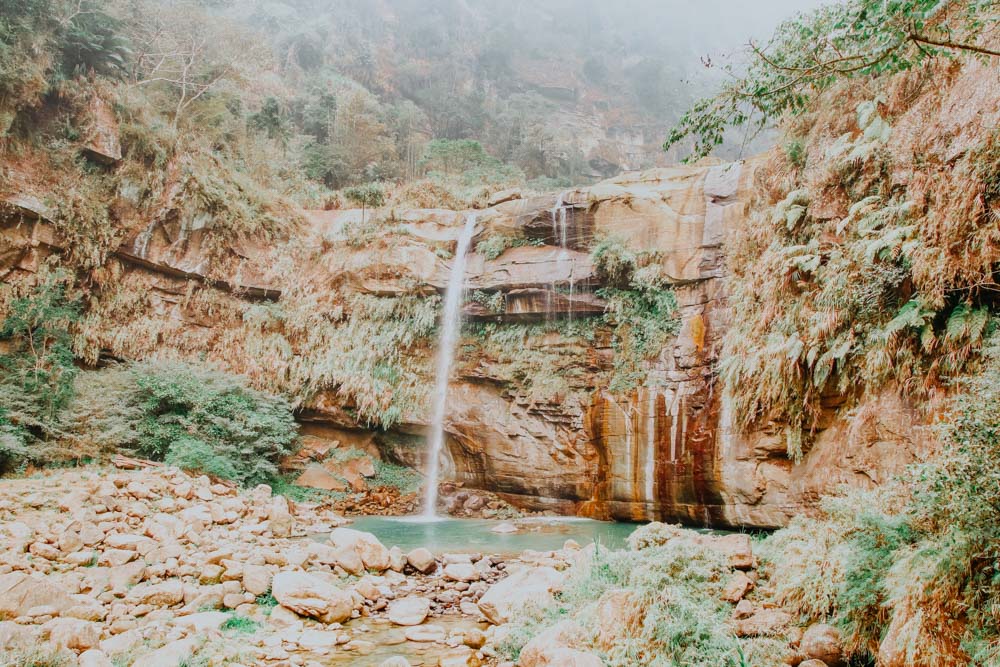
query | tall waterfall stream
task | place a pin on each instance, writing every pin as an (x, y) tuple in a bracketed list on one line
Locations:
[(451, 324)]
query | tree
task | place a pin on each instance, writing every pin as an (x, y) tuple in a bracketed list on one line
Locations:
[(807, 54), (272, 121), (453, 156), (92, 41), (182, 48), (370, 194)]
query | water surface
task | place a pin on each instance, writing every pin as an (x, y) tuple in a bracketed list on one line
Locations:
[(475, 535)]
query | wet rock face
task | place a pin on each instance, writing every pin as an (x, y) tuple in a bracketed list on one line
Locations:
[(667, 451)]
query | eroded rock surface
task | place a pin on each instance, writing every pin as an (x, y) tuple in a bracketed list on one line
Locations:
[(666, 451)]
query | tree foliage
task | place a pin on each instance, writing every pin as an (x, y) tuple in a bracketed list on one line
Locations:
[(187, 415), (807, 54), (37, 371)]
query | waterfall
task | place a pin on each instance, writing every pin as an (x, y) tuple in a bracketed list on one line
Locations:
[(650, 472), (558, 213), (451, 324)]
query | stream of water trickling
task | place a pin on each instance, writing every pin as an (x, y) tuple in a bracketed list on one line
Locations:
[(451, 324)]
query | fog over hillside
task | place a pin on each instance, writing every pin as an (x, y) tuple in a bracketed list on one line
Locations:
[(570, 90)]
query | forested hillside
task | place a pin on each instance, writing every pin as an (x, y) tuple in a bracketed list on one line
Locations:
[(334, 94)]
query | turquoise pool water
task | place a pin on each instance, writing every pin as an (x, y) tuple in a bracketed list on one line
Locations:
[(476, 535)]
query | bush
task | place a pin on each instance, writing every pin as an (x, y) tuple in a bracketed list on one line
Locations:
[(37, 373), (495, 245), (614, 262), (406, 480), (196, 418), (679, 617)]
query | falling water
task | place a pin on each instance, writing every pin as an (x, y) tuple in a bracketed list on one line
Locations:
[(450, 325), (627, 419), (650, 472), (558, 213)]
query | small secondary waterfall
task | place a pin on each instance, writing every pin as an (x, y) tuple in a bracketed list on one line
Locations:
[(650, 468), (450, 328), (558, 213)]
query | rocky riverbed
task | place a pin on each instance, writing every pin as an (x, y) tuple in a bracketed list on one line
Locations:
[(153, 567), (158, 568)]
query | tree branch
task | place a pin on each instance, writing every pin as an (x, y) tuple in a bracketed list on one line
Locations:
[(957, 46)]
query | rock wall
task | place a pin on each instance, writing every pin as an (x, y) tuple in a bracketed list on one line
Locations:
[(665, 452)]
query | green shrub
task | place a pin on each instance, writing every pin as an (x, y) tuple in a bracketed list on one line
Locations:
[(641, 307), (240, 625), (795, 151), (614, 262), (494, 245), (39, 656), (677, 587), (493, 303), (27, 29), (266, 602), (407, 480), (643, 321), (37, 372), (197, 418)]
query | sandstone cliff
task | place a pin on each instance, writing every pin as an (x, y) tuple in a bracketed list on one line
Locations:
[(665, 451)]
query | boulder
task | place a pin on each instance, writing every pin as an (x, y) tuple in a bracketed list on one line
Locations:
[(527, 585), (619, 615), (461, 572), (256, 579), (395, 661), (409, 611), (14, 635), (737, 586), (121, 643), (313, 640), (397, 561), (738, 547), (744, 609), (356, 470), (459, 657), (823, 642), (373, 553), (504, 196), (763, 623), (316, 476), (426, 633), (367, 589), (116, 557), (73, 633), (173, 654), (350, 560), (474, 638), (279, 517), (95, 658), (103, 143), (121, 577), (421, 560), (20, 592), (164, 594), (202, 621), (556, 647), (309, 595)]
